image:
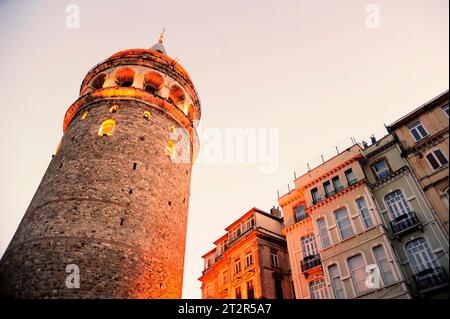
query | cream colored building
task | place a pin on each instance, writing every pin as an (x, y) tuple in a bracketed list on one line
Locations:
[(250, 261), (423, 137), (348, 233)]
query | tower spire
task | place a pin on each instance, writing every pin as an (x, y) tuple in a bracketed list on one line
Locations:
[(159, 47)]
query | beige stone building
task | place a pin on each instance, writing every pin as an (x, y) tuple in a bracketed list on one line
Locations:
[(418, 239), (423, 137), (340, 223), (250, 261)]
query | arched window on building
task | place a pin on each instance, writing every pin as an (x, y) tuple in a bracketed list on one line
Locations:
[(318, 289), (98, 81), (124, 76), (171, 148), (107, 128), (84, 115), (396, 204), (113, 109)]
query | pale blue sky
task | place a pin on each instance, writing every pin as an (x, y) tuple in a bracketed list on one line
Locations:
[(310, 68)]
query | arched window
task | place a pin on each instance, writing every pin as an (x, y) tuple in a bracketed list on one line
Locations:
[(113, 109), (84, 115), (318, 289), (107, 128), (309, 247), (125, 76), (396, 204), (323, 232), (171, 148), (176, 94), (147, 115), (420, 255), (336, 282), (98, 81), (153, 81)]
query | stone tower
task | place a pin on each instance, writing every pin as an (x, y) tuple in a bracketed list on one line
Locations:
[(113, 202)]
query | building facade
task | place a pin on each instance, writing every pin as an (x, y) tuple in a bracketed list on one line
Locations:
[(331, 219), (423, 137), (250, 261), (418, 239), (111, 209)]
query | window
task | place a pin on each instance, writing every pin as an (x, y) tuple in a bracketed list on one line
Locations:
[(224, 277), (318, 289), (364, 213), (329, 191), (381, 169), (124, 76), (315, 195), (98, 81), (418, 131), (420, 255), (336, 282), (278, 288), (396, 204), (323, 233), (238, 293), (343, 223), (445, 109), (358, 273), (350, 176), (85, 114), (300, 213), (147, 115), (171, 149), (248, 260), (209, 291), (309, 247), (237, 266), (107, 128), (337, 184), (274, 259), (113, 109), (248, 223), (383, 265), (250, 290), (436, 159)]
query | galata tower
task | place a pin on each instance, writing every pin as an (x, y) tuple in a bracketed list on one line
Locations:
[(109, 217)]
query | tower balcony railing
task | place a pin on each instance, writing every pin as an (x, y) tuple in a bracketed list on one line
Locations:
[(405, 222), (300, 217), (311, 262), (431, 278)]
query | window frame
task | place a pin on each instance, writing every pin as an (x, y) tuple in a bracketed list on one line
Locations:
[(332, 281), (387, 262), (338, 226), (352, 271), (436, 158), (415, 127), (369, 215), (322, 289), (326, 231)]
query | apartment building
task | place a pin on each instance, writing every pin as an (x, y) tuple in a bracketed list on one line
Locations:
[(250, 261), (423, 137), (332, 216), (418, 239)]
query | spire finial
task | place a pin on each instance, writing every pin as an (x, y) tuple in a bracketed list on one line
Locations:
[(161, 37)]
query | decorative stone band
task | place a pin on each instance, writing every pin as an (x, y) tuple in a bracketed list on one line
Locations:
[(130, 93), (152, 59)]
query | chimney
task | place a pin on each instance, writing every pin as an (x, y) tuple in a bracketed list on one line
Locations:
[(373, 139), (275, 211)]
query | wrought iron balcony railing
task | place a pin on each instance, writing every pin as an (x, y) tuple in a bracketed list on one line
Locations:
[(404, 222), (311, 262), (431, 278), (352, 182)]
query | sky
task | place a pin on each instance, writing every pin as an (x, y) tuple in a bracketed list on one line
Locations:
[(315, 72)]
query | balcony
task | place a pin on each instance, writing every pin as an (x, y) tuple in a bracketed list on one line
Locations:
[(330, 194), (405, 222), (311, 262), (431, 278), (352, 182)]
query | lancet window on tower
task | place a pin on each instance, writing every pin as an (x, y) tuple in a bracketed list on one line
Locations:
[(153, 81), (107, 128), (171, 148), (147, 115), (113, 109), (84, 115)]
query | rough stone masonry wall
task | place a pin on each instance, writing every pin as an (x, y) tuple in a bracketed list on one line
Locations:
[(88, 190)]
